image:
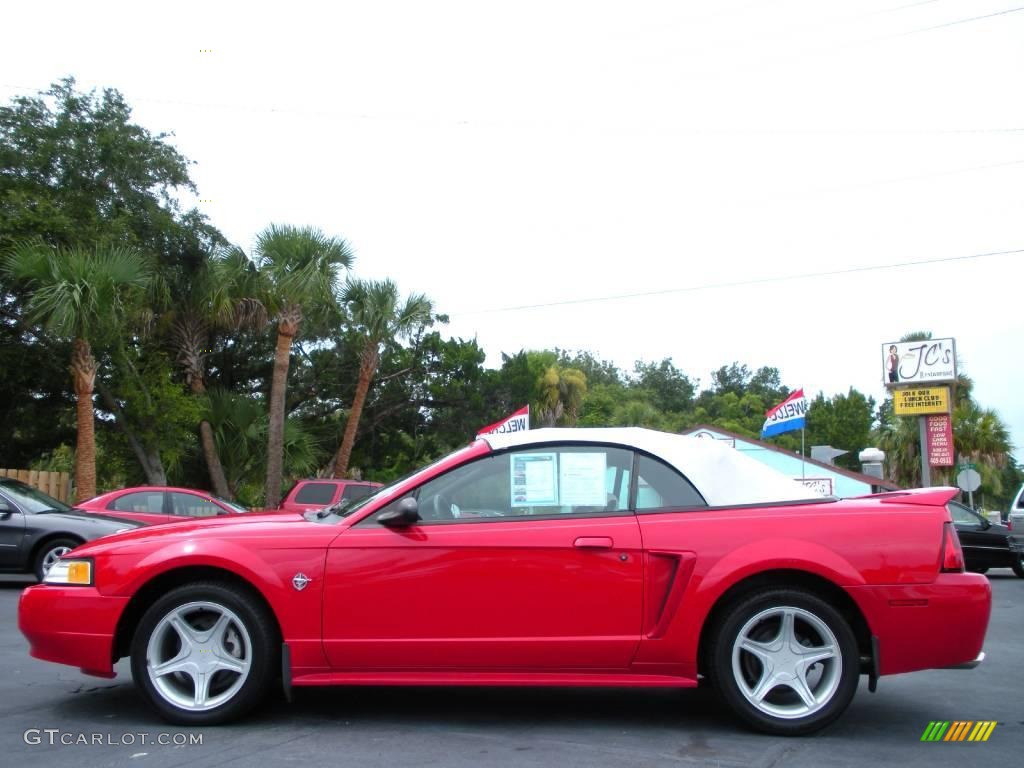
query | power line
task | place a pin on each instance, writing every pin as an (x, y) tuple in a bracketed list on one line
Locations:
[(961, 21), (732, 130), (736, 283)]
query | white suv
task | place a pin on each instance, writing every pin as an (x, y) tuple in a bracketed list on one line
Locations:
[(1016, 517)]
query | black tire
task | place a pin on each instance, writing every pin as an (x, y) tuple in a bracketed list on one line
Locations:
[(833, 680), (48, 550), (257, 630), (1018, 566)]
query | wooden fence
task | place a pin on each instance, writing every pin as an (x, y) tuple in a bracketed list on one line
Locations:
[(56, 484)]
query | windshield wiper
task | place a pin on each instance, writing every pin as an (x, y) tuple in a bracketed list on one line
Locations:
[(332, 509)]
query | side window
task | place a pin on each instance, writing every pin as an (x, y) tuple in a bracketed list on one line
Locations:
[(316, 493), (144, 501), (187, 505), (963, 515), (546, 481), (658, 486)]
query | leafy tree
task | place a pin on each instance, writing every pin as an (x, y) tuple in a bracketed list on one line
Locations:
[(76, 171), (671, 390), (843, 421), (378, 315), (240, 427), (79, 294), (300, 269)]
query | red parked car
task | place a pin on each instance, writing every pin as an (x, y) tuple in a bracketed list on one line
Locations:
[(157, 504), (558, 557), (317, 493)]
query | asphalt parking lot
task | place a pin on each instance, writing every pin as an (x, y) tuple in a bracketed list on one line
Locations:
[(484, 727)]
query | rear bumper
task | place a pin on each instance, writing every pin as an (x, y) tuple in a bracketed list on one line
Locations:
[(970, 664), (71, 625), (928, 626)]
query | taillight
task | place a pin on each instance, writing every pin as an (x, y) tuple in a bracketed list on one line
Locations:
[(1009, 524), (952, 556)]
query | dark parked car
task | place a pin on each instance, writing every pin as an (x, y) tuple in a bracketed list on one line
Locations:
[(986, 544), (36, 530)]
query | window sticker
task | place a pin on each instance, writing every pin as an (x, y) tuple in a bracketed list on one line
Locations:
[(534, 480), (581, 479)]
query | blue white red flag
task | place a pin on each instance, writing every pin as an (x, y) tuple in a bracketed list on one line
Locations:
[(788, 415)]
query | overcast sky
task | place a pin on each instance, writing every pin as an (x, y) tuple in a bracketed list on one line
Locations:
[(502, 155)]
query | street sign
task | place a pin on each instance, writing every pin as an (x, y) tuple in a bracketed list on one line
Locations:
[(919, 362), (920, 401), (968, 480), (938, 440)]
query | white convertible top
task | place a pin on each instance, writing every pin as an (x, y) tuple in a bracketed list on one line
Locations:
[(723, 475)]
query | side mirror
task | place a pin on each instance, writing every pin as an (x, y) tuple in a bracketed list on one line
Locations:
[(5, 510), (405, 513)]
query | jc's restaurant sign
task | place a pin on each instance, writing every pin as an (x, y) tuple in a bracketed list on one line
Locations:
[(915, 362)]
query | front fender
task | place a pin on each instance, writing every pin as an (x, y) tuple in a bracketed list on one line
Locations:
[(269, 571)]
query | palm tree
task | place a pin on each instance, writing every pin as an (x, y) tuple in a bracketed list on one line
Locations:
[(239, 427), (378, 316), (561, 394), (299, 267), (79, 294), (223, 294)]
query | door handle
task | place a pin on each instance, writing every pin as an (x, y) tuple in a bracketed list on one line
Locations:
[(594, 542)]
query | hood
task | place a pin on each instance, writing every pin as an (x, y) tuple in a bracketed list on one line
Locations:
[(76, 516), (202, 525)]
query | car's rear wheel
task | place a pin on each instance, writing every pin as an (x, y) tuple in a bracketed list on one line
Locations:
[(204, 653), (1018, 566), (785, 661), (50, 553)]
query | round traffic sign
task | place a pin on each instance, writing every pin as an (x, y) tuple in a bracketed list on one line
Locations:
[(968, 480)]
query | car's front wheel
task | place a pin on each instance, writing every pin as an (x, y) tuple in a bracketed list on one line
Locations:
[(785, 661), (1018, 566), (204, 653), (50, 553)]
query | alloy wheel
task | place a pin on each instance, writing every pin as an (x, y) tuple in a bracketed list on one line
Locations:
[(52, 556), (199, 656), (786, 662)]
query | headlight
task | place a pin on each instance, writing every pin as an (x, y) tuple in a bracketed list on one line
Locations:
[(70, 572)]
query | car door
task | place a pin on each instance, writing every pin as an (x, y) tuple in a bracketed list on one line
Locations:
[(524, 560), (12, 533), (148, 506)]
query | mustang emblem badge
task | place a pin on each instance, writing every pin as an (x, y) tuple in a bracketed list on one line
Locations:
[(300, 580)]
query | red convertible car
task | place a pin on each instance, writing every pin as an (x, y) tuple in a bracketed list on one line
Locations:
[(558, 557)]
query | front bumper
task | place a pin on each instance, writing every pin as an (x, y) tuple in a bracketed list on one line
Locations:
[(928, 626), (71, 625)]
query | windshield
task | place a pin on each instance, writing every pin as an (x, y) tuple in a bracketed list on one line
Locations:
[(31, 499), (346, 507), (233, 506)]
